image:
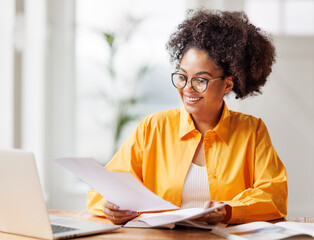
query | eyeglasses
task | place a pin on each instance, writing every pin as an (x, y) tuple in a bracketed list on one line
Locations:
[(198, 84)]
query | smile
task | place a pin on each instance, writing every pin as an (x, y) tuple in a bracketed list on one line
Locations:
[(192, 99)]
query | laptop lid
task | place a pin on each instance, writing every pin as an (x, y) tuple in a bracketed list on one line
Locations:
[(22, 207)]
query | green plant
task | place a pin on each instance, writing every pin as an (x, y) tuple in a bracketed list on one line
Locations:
[(115, 40)]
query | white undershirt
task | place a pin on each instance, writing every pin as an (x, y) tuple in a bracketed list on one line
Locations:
[(195, 190)]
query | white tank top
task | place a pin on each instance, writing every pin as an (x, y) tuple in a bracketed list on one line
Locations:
[(195, 190)]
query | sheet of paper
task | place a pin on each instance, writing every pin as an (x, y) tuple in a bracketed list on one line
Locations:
[(263, 230), (160, 219), (157, 219), (120, 188), (307, 228), (137, 223)]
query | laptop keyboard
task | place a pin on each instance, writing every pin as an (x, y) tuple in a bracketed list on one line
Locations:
[(61, 229)]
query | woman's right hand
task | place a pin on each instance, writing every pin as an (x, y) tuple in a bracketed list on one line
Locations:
[(117, 216)]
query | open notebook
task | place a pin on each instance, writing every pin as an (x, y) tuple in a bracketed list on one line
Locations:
[(22, 207)]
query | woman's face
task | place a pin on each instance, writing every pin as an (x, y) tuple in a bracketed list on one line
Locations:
[(197, 63)]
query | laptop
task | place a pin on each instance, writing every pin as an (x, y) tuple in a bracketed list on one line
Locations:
[(23, 209)]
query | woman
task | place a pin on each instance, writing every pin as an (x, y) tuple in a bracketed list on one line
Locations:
[(203, 153)]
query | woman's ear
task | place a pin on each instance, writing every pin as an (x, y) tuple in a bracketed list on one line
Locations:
[(229, 84)]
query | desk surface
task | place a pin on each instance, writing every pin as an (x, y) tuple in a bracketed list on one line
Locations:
[(137, 233)]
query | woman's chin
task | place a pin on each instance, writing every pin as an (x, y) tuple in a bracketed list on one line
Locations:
[(191, 109)]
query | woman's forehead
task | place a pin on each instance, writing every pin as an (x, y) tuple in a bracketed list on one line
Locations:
[(198, 60)]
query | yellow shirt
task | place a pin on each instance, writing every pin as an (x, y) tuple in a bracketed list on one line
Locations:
[(243, 168)]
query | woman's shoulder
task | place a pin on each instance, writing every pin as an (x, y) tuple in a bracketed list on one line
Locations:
[(162, 116), (248, 120), (161, 121), (248, 125)]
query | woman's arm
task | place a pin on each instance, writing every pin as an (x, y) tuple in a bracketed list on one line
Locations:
[(267, 198), (127, 159)]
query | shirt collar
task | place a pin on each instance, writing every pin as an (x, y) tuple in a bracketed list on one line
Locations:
[(186, 123), (222, 128)]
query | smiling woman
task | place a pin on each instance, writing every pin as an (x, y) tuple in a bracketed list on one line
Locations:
[(204, 153), (206, 104)]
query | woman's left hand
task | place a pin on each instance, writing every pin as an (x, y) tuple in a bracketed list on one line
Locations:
[(216, 216)]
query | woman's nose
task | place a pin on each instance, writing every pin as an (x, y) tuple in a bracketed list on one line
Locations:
[(188, 85)]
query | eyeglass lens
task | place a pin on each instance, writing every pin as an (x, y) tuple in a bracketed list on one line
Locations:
[(180, 81)]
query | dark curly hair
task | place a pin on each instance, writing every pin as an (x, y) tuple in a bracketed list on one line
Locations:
[(239, 48)]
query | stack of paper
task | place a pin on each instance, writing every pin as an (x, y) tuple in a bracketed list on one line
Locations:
[(124, 190), (183, 217)]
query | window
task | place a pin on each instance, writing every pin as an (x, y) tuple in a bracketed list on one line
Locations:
[(96, 114), (22, 68), (7, 16), (282, 17)]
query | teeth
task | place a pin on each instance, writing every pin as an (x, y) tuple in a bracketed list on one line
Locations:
[(192, 99)]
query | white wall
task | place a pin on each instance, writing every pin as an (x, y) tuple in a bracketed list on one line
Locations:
[(295, 74)]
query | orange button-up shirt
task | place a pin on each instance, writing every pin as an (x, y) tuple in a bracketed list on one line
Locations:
[(243, 168)]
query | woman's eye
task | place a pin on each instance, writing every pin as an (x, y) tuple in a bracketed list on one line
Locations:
[(200, 81)]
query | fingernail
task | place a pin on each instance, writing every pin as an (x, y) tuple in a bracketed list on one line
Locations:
[(134, 213), (116, 207)]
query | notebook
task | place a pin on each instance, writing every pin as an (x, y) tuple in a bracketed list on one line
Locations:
[(23, 210)]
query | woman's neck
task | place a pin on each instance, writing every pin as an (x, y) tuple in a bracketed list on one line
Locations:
[(208, 122)]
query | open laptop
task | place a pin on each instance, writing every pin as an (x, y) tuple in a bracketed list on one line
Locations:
[(22, 207)]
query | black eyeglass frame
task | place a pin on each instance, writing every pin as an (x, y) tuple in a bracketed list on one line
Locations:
[(193, 78)]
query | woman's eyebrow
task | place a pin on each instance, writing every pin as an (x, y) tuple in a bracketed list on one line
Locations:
[(199, 73), (204, 72), (182, 69)]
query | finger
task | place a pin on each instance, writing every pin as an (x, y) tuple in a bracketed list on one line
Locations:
[(211, 215), (208, 204), (218, 212), (212, 220), (118, 213), (221, 209), (214, 217), (121, 219), (111, 205)]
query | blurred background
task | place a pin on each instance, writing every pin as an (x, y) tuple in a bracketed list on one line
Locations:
[(77, 76)]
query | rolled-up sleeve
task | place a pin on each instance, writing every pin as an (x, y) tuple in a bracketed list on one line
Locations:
[(267, 198), (127, 159)]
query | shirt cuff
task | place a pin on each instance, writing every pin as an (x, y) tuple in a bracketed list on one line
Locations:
[(95, 203), (237, 212)]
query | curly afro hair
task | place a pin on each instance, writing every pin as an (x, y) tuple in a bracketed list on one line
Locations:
[(239, 48)]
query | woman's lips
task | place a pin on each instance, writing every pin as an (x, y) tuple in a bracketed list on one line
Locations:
[(191, 100)]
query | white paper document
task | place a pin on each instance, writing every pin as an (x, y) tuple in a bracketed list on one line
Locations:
[(120, 188), (157, 219), (183, 217), (266, 230)]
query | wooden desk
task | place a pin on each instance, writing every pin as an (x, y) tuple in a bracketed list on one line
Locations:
[(136, 233)]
